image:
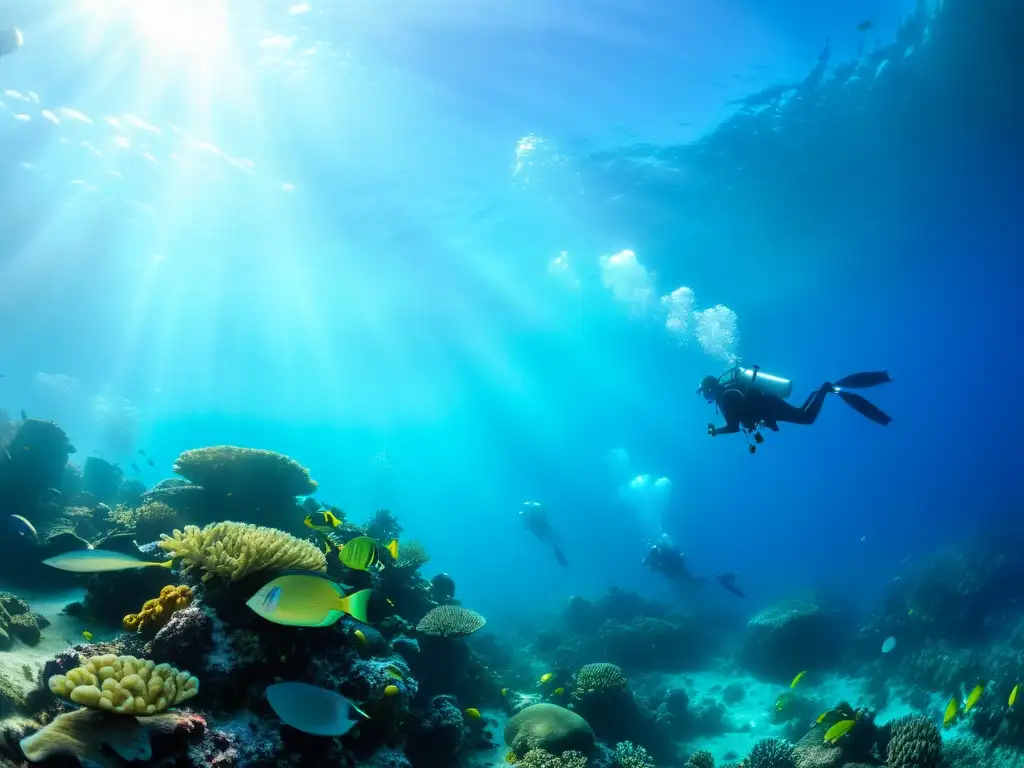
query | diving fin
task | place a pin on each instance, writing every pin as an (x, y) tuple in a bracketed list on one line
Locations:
[(864, 380), (865, 408), (560, 557)]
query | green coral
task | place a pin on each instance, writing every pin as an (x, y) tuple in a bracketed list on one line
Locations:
[(701, 759), (771, 752), (629, 755), (600, 678), (915, 742)]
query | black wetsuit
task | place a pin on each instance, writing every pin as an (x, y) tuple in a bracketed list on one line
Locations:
[(749, 407)]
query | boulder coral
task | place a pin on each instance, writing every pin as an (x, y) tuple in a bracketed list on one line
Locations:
[(549, 727), (125, 685)]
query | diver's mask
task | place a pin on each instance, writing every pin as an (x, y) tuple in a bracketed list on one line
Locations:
[(707, 388)]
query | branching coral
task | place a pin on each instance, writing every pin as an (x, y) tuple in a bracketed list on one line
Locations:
[(157, 612), (630, 755), (450, 621), (771, 752), (915, 743), (125, 684), (539, 758), (234, 550), (247, 471), (412, 554)]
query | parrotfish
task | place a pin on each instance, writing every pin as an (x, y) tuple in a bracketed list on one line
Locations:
[(100, 561), (308, 600)]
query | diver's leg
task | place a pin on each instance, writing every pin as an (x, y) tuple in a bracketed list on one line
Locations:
[(807, 413)]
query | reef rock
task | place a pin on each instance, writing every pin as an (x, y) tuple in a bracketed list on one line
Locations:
[(549, 727), (789, 637)]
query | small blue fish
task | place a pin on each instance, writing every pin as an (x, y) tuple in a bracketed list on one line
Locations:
[(311, 709)]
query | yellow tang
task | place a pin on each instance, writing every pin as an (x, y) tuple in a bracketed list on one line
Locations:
[(797, 679), (821, 717), (974, 696), (391, 690), (952, 710), (324, 520), (473, 714), (558, 691), (1013, 694), (504, 691), (837, 731), (88, 636), (546, 676), (307, 600), (360, 554)]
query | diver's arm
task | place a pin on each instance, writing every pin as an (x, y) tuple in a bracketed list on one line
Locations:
[(730, 405), (728, 429)]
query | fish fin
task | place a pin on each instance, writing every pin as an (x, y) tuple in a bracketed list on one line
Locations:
[(393, 549), (168, 564), (355, 605)]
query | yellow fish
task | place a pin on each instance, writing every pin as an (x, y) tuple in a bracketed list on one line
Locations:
[(473, 714), (546, 676), (797, 679), (784, 700), (837, 731), (389, 601), (360, 554), (952, 710), (974, 696), (307, 600), (1013, 694), (88, 636), (504, 691), (360, 636), (324, 520), (391, 690), (393, 672), (558, 691), (821, 717), (100, 561)]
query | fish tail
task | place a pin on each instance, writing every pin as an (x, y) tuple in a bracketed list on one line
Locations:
[(168, 564), (355, 605), (393, 548)]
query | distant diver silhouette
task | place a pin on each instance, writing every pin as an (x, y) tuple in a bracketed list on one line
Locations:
[(749, 400), (728, 580), (535, 518)]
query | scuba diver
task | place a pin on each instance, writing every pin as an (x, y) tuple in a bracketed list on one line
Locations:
[(665, 559), (749, 400), (536, 521), (10, 40), (728, 582)]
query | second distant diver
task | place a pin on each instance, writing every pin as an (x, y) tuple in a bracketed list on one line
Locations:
[(750, 399), (535, 518)]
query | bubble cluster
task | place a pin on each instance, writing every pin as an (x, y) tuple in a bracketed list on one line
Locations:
[(717, 330), (560, 270), (680, 308), (629, 281), (649, 500)]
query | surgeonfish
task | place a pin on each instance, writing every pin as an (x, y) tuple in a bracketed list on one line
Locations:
[(324, 520), (24, 528), (952, 710), (545, 677), (837, 731), (100, 561), (308, 600), (558, 691), (87, 635), (797, 679), (311, 709), (1013, 694), (360, 554), (473, 713), (974, 696)]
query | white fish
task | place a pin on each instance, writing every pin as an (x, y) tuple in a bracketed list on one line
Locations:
[(311, 709), (889, 644)]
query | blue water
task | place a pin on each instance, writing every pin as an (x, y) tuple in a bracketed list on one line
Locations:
[(312, 232)]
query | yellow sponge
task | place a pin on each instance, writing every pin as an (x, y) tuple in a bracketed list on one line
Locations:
[(125, 685), (156, 612)]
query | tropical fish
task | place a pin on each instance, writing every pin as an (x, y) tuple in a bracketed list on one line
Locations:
[(974, 696), (784, 700), (837, 731), (391, 690), (360, 636), (87, 635), (889, 644), (545, 677), (24, 527), (797, 679), (952, 710), (393, 672), (1013, 694), (558, 691), (473, 713), (504, 691), (324, 520), (100, 561), (821, 718), (307, 600), (360, 554), (311, 709)]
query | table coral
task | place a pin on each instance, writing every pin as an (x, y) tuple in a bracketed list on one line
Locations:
[(234, 550), (450, 621), (246, 471), (125, 685), (157, 612)]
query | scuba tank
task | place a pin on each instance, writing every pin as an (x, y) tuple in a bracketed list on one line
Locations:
[(765, 382)]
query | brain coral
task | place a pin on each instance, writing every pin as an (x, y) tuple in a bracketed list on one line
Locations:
[(245, 471), (915, 743), (234, 550), (772, 752), (450, 621), (548, 727), (125, 685)]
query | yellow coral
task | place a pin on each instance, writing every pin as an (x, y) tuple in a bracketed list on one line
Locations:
[(156, 612), (125, 684), (234, 550)]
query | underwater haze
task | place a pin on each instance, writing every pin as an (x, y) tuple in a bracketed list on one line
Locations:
[(469, 263)]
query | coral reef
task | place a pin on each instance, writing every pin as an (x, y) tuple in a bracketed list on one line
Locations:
[(771, 753), (789, 637), (914, 742), (125, 685), (548, 727), (157, 612), (450, 621), (234, 550), (147, 521), (17, 622)]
